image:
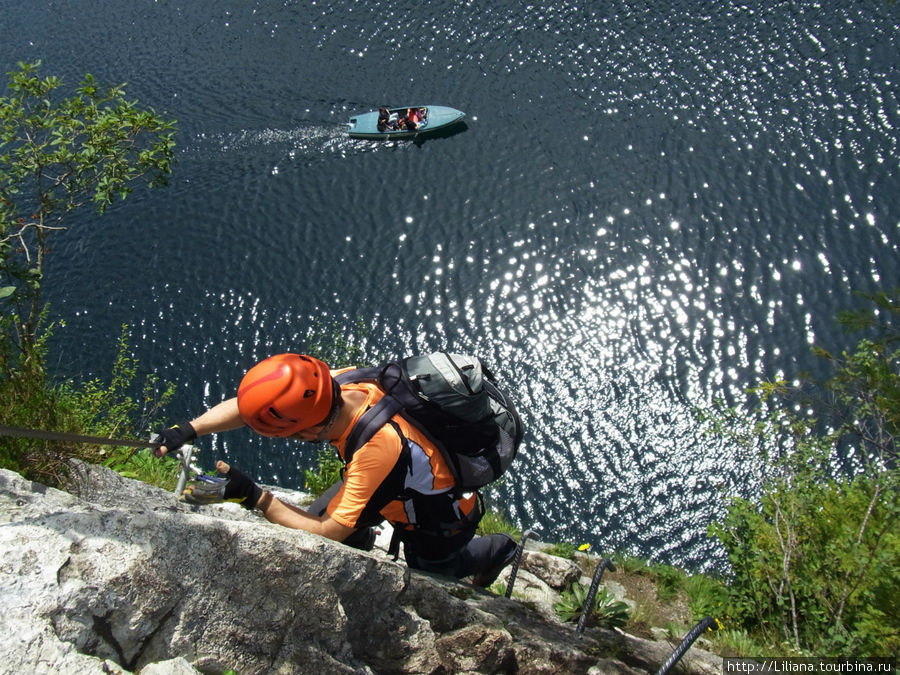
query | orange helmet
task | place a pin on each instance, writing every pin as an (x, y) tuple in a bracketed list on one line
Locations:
[(285, 393)]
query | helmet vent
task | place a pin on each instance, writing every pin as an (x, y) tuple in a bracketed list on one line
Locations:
[(275, 413)]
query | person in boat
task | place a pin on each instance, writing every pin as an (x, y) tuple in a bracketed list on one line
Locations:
[(415, 117), (295, 396), (384, 119)]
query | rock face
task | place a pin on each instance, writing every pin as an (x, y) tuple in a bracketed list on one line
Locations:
[(120, 577)]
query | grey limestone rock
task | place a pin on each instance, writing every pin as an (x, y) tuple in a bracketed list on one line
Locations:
[(119, 577)]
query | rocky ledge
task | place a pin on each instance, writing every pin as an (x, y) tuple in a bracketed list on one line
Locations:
[(119, 577)]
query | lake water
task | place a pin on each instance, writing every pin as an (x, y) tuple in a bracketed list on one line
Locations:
[(651, 205)]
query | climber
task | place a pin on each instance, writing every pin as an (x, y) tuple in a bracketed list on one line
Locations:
[(398, 475)]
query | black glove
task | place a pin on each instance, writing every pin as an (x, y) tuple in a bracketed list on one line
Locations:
[(174, 437), (233, 487)]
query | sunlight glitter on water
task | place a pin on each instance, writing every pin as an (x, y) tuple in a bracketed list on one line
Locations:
[(724, 176)]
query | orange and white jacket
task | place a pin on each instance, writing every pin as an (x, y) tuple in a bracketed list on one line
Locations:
[(379, 482)]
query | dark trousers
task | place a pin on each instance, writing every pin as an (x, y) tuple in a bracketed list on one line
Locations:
[(458, 556)]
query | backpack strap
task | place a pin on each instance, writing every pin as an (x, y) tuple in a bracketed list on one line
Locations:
[(394, 401), (364, 428), (371, 421), (379, 414), (358, 375)]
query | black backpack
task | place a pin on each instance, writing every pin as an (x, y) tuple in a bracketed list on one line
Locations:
[(454, 401)]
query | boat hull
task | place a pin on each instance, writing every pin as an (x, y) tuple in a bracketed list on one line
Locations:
[(439, 117)]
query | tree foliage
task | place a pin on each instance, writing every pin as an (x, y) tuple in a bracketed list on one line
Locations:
[(112, 408), (815, 557), (58, 154)]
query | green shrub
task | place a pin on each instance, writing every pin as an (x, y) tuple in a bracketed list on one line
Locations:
[(28, 398), (497, 522), (609, 612), (142, 465), (606, 612), (739, 643), (707, 596), (571, 601), (327, 471), (669, 581), (563, 549), (815, 556), (629, 564), (816, 567)]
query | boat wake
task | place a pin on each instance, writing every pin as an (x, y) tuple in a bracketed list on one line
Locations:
[(307, 143)]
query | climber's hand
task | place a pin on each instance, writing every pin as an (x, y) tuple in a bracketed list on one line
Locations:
[(173, 438), (233, 486)]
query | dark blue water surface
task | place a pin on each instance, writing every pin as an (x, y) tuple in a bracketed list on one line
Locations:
[(652, 205)]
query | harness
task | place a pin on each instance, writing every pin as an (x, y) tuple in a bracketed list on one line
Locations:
[(379, 415)]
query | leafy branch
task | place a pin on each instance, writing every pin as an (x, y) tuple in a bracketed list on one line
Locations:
[(57, 155), (813, 556)]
